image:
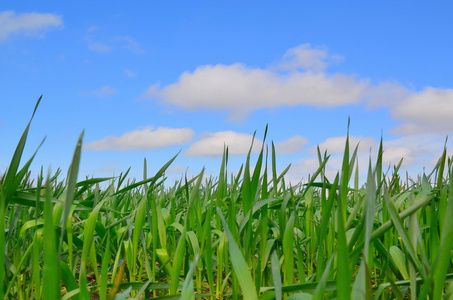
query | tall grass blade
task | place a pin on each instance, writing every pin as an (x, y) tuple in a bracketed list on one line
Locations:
[(321, 286), (8, 186), (443, 260), (239, 263), (51, 270), (361, 288), (403, 233), (288, 251), (187, 292), (88, 234), (70, 188), (343, 273)]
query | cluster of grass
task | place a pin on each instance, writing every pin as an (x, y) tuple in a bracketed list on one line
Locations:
[(249, 235)]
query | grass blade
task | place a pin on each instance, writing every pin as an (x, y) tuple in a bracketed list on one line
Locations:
[(276, 276), (239, 263), (51, 270)]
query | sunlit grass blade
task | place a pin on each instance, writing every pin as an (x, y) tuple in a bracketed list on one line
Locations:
[(68, 279), (70, 187), (325, 223), (2, 246), (177, 263), (321, 286), (400, 260), (361, 288), (443, 260), (403, 234), (187, 292), (343, 277), (7, 188), (137, 231), (239, 263), (288, 251), (152, 180), (88, 234), (51, 270), (276, 276), (104, 269), (344, 178), (423, 201), (246, 184)]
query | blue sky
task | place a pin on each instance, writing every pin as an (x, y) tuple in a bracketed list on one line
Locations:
[(148, 79)]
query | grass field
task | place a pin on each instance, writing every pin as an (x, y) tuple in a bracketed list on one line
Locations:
[(245, 236)]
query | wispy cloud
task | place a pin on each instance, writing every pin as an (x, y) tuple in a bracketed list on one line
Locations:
[(99, 47), (93, 43), (306, 57), (107, 44), (144, 139), (104, 91), (130, 74), (130, 44), (31, 24), (212, 144)]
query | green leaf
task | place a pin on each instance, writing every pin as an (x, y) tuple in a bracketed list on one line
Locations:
[(70, 187), (276, 276), (51, 270), (288, 251), (239, 263), (68, 279), (187, 292), (444, 255), (400, 260)]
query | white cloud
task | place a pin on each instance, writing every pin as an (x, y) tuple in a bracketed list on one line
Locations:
[(212, 144), (301, 170), (240, 89), (425, 111), (420, 149), (430, 110), (306, 57), (291, 145), (104, 92), (337, 144), (392, 155), (386, 94), (26, 23), (143, 139)]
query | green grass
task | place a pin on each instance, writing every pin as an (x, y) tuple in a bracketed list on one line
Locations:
[(249, 235)]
